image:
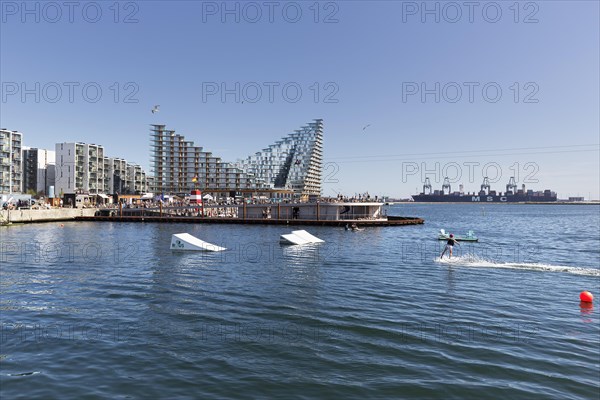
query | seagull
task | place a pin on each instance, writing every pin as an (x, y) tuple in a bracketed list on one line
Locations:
[(155, 109), (365, 127)]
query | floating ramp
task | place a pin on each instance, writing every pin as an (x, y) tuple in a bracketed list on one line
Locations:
[(307, 236), (187, 242), (299, 237), (290, 238)]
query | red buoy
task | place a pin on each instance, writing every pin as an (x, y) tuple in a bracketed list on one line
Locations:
[(586, 296)]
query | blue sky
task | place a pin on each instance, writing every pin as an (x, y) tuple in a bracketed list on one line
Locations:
[(357, 63)]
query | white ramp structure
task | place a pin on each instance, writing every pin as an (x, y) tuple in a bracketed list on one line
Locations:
[(307, 236), (187, 242), (290, 238), (299, 237)]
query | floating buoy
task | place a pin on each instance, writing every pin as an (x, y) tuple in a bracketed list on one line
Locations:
[(586, 296)]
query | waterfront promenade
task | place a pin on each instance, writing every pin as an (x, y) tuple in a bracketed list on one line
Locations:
[(44, 215)]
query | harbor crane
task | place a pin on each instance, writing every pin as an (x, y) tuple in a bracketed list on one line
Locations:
[(485, 186), (446, 185), (511, 188), (427, 186)]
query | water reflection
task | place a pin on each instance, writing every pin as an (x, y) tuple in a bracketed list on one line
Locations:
[(450, 281), (300, 255), (586, 310)]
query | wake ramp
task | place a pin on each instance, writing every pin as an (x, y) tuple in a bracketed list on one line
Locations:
[(187, 242), (299, 237)]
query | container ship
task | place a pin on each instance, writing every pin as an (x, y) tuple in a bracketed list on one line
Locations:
[(485, 195)]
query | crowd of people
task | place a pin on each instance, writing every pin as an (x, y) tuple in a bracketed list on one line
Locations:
[(25, 205), (186, 202)]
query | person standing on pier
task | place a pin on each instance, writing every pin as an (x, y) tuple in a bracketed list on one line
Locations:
[(449, 245)]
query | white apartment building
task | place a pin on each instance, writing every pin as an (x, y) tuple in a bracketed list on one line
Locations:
[(79, 168), (136, 179), (11, 165), (117, 176)]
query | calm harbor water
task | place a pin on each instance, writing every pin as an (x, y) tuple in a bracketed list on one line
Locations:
[(103, 310)]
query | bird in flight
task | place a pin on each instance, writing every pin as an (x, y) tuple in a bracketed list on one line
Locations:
[(366, 126), (156, 109)]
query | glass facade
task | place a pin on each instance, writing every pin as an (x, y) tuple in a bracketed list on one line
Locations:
[(294, 162)]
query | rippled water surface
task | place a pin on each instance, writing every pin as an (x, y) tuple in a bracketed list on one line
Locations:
[(107, 310)]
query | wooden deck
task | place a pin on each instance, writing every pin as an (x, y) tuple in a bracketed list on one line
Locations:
[(391, 221)]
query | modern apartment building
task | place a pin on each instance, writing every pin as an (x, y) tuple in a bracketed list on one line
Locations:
[(11, 165), (116, 174), (149, 183), (136, 179), (106, 179), (79, 168), (178, 166), (293, 163), (38, 170)]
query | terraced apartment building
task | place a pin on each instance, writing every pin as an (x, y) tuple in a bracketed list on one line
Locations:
[(293, 164)]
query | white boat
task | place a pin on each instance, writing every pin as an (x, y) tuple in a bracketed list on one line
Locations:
[(299, 237), (187, 242)]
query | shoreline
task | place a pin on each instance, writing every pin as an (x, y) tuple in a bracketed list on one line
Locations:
[(391, 221), (13, 217)]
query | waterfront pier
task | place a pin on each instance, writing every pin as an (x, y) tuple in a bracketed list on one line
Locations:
[(323, 214)]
